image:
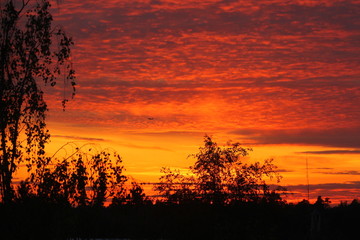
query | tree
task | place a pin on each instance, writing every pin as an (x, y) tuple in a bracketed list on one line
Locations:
[(213, 168), (220, 176), (136, 195), (28, 57), (87, 177)]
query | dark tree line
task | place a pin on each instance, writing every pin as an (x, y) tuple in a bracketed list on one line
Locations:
[(88, 177)]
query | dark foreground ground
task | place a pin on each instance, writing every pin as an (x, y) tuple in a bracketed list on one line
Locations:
[(244, 221)]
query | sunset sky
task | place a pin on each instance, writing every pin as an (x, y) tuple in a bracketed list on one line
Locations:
[(154, 76)]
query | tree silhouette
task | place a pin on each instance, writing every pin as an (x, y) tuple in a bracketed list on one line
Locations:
[(220, 176), (86, 178), (27, 57), (213, 168), (137, 195)]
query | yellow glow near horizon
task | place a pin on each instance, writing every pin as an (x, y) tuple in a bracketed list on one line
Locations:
[(144, 154)]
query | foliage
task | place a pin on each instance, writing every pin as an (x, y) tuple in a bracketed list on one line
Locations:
[(219, 176), (85, 178), (137, 196), (321, 203), (214, 168), (27, 58), (176, 187)]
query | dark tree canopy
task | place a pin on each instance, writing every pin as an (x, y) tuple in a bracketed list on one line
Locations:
[(87, 177), (29, 56), (220, 176)]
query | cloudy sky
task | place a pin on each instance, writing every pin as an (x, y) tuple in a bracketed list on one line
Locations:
[(280, 76)]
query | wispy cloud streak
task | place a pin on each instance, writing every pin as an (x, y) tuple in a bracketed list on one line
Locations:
[(332, 152)]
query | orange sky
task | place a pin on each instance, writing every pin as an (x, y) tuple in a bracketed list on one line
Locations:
[(154, 76)]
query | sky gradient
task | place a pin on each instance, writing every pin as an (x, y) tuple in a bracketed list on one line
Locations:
[(154, 76)]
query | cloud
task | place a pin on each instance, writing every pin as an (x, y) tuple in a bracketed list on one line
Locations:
[(78, 138), (327, 186), (342, 173), (171, 133), (335, 191), (326, 152), (283, 170), (325, 168), (337, 137), (129, 145)]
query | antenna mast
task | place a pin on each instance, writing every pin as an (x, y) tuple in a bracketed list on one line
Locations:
[(307, 179)]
